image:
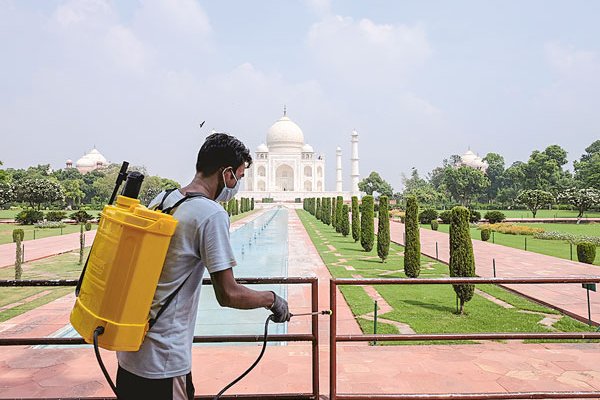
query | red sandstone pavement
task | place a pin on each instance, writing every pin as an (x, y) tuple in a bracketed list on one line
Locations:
[(45, 247), (490, 367), (511, 263)]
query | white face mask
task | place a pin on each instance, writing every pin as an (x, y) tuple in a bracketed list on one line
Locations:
[(228, 193)]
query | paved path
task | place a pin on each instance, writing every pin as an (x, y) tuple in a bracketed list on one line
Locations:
[(490, 367), (45, 247), (510, 262)]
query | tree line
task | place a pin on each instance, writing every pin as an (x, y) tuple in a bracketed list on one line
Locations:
[(41, 187), (540, 181)]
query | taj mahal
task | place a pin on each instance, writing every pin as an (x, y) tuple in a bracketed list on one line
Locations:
[(286, 168)]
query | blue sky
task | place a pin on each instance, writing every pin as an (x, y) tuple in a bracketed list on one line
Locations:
[(418, 80)]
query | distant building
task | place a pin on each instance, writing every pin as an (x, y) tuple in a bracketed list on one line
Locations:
[(89, 162), (286, 168), (472, 160)]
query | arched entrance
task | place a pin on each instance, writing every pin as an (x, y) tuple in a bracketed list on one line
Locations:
[(284, 178)]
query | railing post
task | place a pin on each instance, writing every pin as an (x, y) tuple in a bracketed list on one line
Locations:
[(375, 321), (571, 250), (332, 340), (314, 289), (436, 251), (494, 266), (525, 243)]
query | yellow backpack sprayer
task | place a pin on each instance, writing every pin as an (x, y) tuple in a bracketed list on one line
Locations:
[(118, 281)]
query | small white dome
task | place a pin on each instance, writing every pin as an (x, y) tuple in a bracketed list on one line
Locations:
[(262, 148), (472, 160), (69, 161), (307, 148), (85, 162), (284, 133)]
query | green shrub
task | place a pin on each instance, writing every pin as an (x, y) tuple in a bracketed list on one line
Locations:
[(252, 204), (267, 199), (56, 216), (367, 228), (345, 220), (586, 252), (29, 217), (494, 217), (462, 261), (412, 247), (80, 216), (383, 229), (18, 235), (297, 200), (355, 219), (485, 234), (434, 224), (88, 226), (338, 211), (445, 216), (318, 210), (427, 215), (333, 212), (474, 216)]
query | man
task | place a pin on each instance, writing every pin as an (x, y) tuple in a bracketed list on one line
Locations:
[(161, 369)]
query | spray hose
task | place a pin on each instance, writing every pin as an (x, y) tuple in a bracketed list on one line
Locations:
[(100, 330)]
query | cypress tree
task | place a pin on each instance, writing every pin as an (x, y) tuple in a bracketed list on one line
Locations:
[(462, 261), (18, 235), (333, 212), (367, 234), (383, 229), (318, 212), (252, 204), (355, 219), (412, 247), (313, 205), (345, 221), (326, 210), (338, 211)]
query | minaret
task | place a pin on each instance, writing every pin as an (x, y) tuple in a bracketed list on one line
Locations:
[(338, 170), (354, 161)]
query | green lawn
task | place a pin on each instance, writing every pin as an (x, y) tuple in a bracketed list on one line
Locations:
[(64, 266), (31, 232), (425, 308), (555, 248)]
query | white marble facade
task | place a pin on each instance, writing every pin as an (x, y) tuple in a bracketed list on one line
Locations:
[(285, 163)]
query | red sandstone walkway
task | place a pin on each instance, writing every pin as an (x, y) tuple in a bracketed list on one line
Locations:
[(45, 247), (490, 367), (512, 262)]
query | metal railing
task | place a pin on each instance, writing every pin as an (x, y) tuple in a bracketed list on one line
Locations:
[(334, 338), (313, 337)]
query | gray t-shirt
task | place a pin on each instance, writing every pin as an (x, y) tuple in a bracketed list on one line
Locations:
[(201, 240)]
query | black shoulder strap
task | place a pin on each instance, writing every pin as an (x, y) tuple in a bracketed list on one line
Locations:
[(160, 206), (152, 321), (168, 210)]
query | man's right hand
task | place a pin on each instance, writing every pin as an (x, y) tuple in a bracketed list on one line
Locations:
[(280, 310)]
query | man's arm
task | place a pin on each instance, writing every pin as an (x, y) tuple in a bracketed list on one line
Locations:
[(231, 294)]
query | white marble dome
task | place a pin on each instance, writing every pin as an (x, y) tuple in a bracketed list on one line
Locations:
[(262, 148), (472, 160), (90, 161), (307, 148), (284, 133)]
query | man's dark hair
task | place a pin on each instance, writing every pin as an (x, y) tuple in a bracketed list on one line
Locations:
[(221, 150)]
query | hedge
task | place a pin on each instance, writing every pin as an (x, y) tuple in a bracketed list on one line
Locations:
[(367, 228), (462, 260), (412, 250), (383, 229)]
